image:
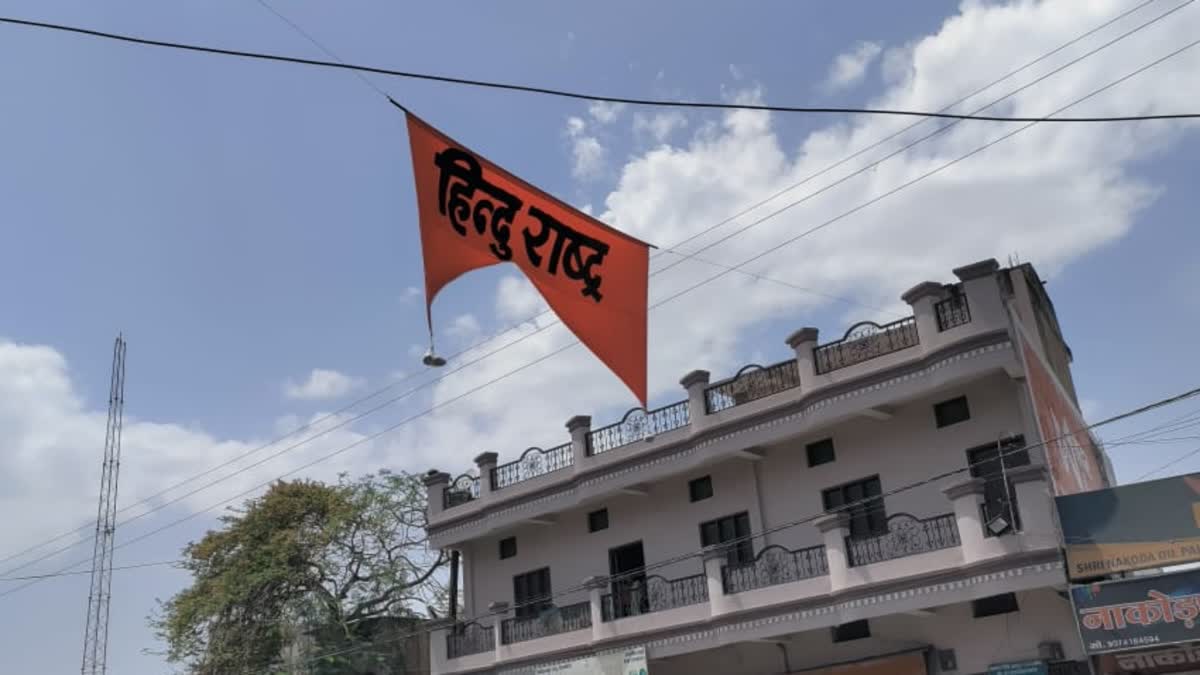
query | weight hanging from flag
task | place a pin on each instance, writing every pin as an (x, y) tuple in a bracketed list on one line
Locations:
[(474, 214)]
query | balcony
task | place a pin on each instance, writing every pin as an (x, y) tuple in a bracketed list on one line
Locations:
[(534, 462), (952, 312), (550, 621), (905, 536), (775, 565), (750, 384), (638, 425), (467, 639), (865, 341), (461, 490), (655, 594)]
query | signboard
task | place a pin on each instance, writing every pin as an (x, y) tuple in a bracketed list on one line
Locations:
[(631, 661), (1172, 659), (1075, 462), (1138, 612), (1023, 668), (1132, 527)]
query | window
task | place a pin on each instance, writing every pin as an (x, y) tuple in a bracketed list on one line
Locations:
[(531, 593), (951, 412), (996, 604), (727, 529), (508, 547), (999, 495), (867, 516), (598, 520), (855, 630), (700, 488), (820, 452)]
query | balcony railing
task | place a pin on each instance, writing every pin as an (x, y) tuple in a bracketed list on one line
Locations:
[(638, 425), (460, 491), (906, 535), (951, 312), (750, 384), (551, 621), (865, 341), (654, 594), (775, 565), (467, 639), (533, 462)]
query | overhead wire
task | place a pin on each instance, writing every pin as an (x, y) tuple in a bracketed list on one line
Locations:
[(562, 93), (686, 290)]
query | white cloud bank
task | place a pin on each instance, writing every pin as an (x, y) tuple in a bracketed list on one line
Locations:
[(849, 68), (323, 385)]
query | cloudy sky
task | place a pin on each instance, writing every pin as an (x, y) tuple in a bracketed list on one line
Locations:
[(251, 228)]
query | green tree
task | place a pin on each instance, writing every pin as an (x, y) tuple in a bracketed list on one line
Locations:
[(305, 569)]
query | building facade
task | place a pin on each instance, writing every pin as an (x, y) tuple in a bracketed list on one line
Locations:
[(878, 500)]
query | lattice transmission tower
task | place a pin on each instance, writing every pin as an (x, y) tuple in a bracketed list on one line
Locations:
[(95, 637)]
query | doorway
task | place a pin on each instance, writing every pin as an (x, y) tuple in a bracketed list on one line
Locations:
[(626, 565)]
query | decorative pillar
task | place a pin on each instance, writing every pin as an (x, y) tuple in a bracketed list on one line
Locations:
[(836, 527), (436, 483), (499, 612), (1035, 504), (439, 630), (695, 383), (922, 298), (966, 495), (595, 586), (486, 461), (982, 291), (803, 342), (715, 558), (579, 427)]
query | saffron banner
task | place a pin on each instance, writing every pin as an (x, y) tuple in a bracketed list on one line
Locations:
[(474, 214)]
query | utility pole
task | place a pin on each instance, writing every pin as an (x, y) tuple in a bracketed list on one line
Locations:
[(95, 637)]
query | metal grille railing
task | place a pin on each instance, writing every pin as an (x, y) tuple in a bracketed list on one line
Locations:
[(654, 594), (639, 425), (952, 311), (471, 638), (775, 565), (750, 384), (865, 341), (533, 462), (551, 621), (460, 491), (906, 535)]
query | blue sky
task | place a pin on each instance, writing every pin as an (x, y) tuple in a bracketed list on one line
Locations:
[(246, 223)]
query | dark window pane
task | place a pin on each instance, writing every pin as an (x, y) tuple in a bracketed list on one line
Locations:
[(709, 534), (855, 630), (531, 593), (726, 530), (951, 412), (820, 452), (598, 520), (993, 605), (508, 547), (867, 516), (700, 488)]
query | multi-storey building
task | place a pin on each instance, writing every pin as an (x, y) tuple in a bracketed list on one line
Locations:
[(879, 499)]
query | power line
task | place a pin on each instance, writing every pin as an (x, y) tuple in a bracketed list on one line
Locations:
[(661, 302), (562, 93), (692, 256), (1003, 453), (51, 575)]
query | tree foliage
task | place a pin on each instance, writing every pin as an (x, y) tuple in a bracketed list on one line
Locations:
[(306, 563)]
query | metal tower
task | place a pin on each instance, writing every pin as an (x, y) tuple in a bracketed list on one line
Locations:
[(95, 638)]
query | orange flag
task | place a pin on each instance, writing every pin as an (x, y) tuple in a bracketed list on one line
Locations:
[(474, 214)]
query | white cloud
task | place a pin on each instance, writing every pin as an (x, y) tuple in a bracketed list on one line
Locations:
[(464, 328), (322, 384), (410, 294), (849, 67), (659, 126), (735, 72), (605, 113), (587, 154)]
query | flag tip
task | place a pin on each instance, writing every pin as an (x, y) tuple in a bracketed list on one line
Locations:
[(432, 360)]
